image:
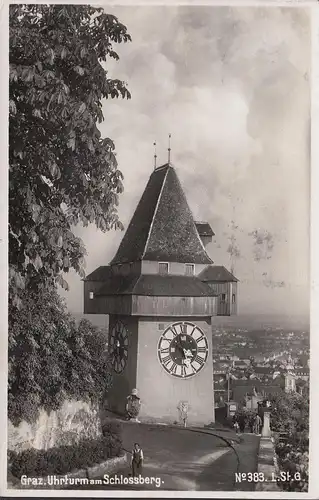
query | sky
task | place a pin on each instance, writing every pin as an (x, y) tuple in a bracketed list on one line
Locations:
[(232, 86)]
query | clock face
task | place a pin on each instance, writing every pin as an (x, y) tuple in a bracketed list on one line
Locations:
[(118, 347), (183, 349)]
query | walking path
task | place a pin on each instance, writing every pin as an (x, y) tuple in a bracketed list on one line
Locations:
[(178, 475), (189, 459), (221, 475)]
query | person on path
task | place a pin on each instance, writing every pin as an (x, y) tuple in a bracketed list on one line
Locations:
[(242, 423), (235, 423), (251, 423), (137, 460)]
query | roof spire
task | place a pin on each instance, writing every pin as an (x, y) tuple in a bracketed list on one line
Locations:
[(155, 155), (169, 147)]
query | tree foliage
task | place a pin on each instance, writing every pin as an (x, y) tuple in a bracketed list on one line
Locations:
[(290, 415), (62, 172), (51, 358)]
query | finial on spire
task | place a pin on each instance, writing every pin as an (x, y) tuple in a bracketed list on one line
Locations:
[(169, 147), (155, 155)]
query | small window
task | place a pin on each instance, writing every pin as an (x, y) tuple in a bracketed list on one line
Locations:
[(234, 298), (163, 268), (161, 326), (189, 269), (223, 297), (91, 295)]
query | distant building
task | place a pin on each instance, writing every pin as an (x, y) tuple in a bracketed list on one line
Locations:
[(302, 373), (290, 382), (247, 361), (249, 392), (252, 400), (240, 364), (263, 371), (258, 358), (302, 386), (235, 358), (219, 368), (224, 284), (290, 364)]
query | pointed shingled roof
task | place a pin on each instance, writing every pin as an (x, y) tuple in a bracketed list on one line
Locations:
[(162, 227)]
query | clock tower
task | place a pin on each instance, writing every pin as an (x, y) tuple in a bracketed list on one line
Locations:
[(160, 312)]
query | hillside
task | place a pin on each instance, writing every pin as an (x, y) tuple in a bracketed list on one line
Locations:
[(248, 321)]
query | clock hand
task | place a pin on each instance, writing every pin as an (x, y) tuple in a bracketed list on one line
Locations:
[(118, 347), (180, 346), (182, 351)]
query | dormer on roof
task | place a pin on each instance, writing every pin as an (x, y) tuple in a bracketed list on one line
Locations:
[(205, 232)]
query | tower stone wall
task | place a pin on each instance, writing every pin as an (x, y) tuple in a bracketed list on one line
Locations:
[(160, 392)]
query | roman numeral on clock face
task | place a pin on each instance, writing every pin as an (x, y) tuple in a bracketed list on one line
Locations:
[(173, 369), (166, 360), (174, 331), (164, 350), (201, 349), (199, 360)]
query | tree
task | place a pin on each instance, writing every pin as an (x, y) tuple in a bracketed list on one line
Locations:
[(62, 172), (51, 358), (249, 371), (290, 414)]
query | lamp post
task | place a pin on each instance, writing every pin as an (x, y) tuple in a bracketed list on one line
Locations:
[(266, 432), (228, 384)]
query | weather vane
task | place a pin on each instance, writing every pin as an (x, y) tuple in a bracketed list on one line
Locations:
[(155, 155), (169, 147)]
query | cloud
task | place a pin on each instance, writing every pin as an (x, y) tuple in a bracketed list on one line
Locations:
[(232, 86)]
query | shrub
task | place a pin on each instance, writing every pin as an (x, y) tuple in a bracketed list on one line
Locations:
[(46, 345), (111, 427), (290, 415), (65, 459)]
